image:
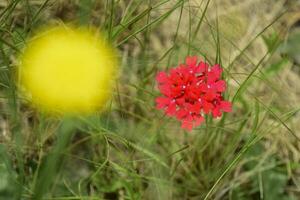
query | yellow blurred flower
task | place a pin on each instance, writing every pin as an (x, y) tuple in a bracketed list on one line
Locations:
[(67, 70)]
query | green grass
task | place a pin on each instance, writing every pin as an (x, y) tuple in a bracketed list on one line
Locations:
[(133, 151)]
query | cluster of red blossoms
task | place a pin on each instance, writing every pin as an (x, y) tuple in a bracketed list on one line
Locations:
[(192, 90)]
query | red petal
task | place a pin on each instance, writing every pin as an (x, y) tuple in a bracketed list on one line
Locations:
[(217, 70), (210, 95), (198, 120), (226, 106), (191, 95), (182, 113), (171, 110), (207, 107), (202, 67), (216, 112), (162, 102), (181, 66), (211, 78), (202, 87), (187, 124), (191, 60), (165, 89), (175, 91), (220, 86), (162, 77), (180, 101), (196, 107)]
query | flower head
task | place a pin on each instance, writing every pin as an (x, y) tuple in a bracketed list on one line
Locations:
[(192, 90), (67, 70)]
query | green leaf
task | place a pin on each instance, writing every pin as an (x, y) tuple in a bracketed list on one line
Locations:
[(292, 46), (271, 41), (276, 67), (8, 176), (274, 183)]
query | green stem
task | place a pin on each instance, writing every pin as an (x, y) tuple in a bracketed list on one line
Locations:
[(52, 162)]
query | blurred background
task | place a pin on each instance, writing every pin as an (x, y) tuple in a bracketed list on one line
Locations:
[(132, 150)]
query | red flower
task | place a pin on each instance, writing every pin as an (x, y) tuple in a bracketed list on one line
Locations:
[(192, 90)]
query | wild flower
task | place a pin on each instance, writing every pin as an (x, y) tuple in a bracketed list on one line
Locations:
[(192, 90), (67, 70)]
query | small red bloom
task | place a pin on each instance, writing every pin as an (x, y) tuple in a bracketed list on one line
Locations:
[(192, 90)]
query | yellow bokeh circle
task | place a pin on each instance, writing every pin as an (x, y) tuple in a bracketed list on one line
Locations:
[(67, 70)]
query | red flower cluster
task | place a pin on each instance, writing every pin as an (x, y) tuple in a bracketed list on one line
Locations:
[(192, 90)]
